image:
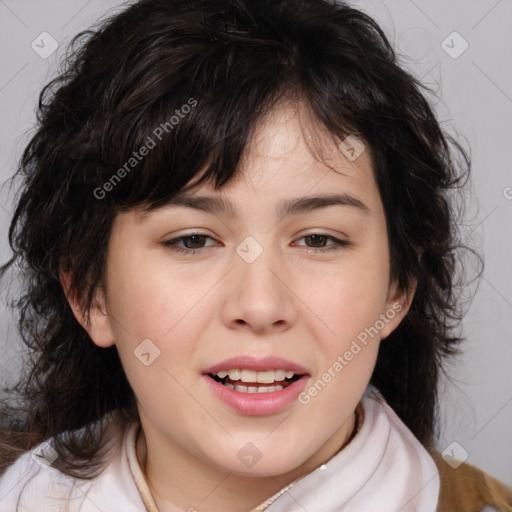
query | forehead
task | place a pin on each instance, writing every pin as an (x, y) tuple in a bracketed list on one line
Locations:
[(291, 133)]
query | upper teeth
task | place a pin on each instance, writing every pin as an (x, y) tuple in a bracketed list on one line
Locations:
[(266, 377)]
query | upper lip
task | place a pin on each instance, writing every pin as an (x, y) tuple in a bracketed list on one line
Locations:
[(259, 364)]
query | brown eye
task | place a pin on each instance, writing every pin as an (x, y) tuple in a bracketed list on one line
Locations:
[(196, 240), (318, 241), (191, 243)]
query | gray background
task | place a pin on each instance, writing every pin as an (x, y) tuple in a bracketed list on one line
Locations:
[(474, 99)]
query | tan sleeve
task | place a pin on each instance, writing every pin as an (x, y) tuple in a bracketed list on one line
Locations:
[(469, 489)]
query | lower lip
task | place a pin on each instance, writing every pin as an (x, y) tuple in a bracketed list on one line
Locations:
[(257, 404)]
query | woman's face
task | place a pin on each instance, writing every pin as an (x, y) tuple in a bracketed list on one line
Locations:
[(277, 281)]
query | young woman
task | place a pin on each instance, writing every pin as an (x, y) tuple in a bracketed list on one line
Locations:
[(237, 249)]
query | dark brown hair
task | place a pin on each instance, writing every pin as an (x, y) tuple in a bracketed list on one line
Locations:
[(231, 61)]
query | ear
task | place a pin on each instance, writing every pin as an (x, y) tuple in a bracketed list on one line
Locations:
[(397, 306), (99, 327)]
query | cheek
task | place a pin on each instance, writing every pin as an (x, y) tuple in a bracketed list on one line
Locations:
[(152, 301), (156, 348), (348, 300)]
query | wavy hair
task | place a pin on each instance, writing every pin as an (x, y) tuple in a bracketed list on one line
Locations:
[(236, 59)]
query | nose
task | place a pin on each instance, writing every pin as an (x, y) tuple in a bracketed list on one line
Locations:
[(260, 295)]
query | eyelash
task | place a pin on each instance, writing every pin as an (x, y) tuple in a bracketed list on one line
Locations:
[(337, 245)]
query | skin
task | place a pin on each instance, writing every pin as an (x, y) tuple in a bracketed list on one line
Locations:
[(293, 301)]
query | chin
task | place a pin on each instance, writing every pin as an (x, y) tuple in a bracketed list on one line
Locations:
[(263, 470), (251, 462)]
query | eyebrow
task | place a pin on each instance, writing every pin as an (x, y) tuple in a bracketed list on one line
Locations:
[(296, 206)]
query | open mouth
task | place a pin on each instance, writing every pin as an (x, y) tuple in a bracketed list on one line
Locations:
[(250, 381)]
